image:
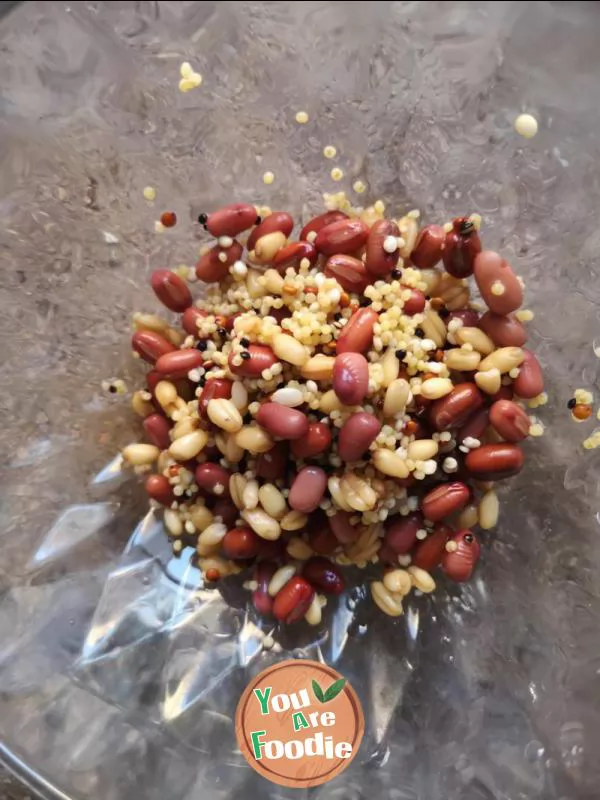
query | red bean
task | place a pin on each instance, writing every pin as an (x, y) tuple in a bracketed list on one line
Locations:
[(272, 465), (492, 462), (430, 551), (307, 490), (225, 510), (461, 245), (530, 381), (315, 224), (261, 599), (320, 535), (211, 269), (428, 247), (157, 428), (276, 221), (468, 316), (272, 550), (475, 425), (178, 364), (503, 331), (342, 237), (401, 532), (261, 358), (231, 220), (190, 319), (152, 378), (214, 389), (240, 543), (503, 393), (445, 500), (325, 576), (213, 478), (356, 434), (357, 333), (491, 272), (349, 272), (455, 408), (379, 262), (344, 531), (159, 489), (415, 303), (293, 601), (316, 441), (281, 421), (292, 254), (150, 345), (459, 564), (509, 420), (351, 378), (171, 290)]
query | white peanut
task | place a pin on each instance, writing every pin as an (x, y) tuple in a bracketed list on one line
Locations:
[(262, 524), (140, 455), (188, 446), (224, 414)]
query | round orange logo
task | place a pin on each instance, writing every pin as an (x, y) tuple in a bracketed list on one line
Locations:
[(299, 723)]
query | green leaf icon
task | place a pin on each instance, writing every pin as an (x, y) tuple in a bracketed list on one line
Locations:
[(334, 689), (318, 692)]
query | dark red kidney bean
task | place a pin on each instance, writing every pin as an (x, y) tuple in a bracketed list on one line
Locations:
[(428, 247), (475, 425), (351, 378), (461, 245), (357, 333), (430, 551), (292, 254), (378, 261), (231, 220), (401, 532), (157, 428), (459, 564), (344, 531), (349, 272), (178, 364), (150, 345), (455, 408), (503, 393), (214, 389), (229, 320), (281, 421), (190, 318), (171, 290), (493, 462), (261, 599), (272, 465), (307, 490), (468, 316), (491, 269), (445, 500), (317, 440), (293, 601), (225, 509), (316, 223), (504, 331), (261, 358), (387, 556), (320, 535), (415, 303), (152, 378), (530, 380), (240, 543), (159, 489), (356, 434), (509, 420), (211, 269), (213, 478), (276, 221), (342, 237), (324, 575), (272, 550)]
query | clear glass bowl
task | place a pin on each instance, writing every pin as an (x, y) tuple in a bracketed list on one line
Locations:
[(117, 678)]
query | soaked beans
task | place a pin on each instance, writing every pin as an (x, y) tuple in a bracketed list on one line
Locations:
[(333, 399)]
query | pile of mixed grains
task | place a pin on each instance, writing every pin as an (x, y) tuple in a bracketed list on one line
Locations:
[(334, 398)]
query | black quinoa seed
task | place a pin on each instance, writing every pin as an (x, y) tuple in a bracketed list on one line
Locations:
[(400, 354), (443, 312), (202, 345), (572, 403), (258, 220), (202, 218), (396, 273), (112, 389), (420, 333), (364, 302), (221, 331), (246, 355), (245, 342)]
